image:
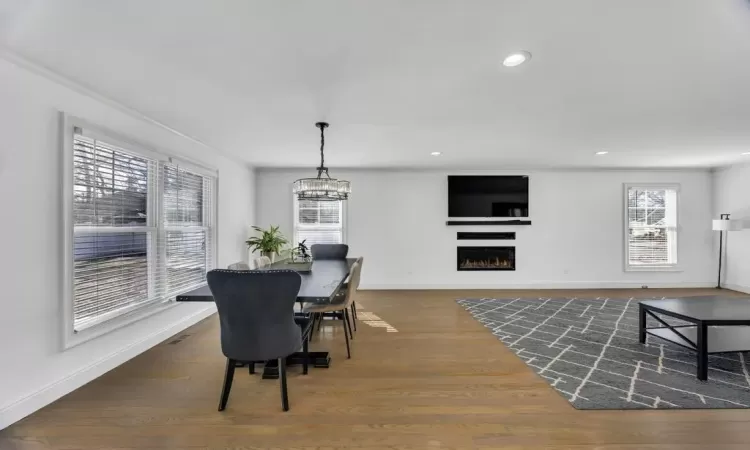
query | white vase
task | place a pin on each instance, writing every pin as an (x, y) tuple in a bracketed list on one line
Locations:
[(271, 256)]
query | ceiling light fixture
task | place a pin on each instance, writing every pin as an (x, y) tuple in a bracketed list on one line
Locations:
[(746, 153), (319, 188), (436, 153), (601, 153), (516, 59)]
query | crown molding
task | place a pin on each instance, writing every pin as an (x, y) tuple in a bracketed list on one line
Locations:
[(87, 91)]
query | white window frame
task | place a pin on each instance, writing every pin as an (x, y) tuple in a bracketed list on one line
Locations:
[(69, 123), (675, 267), (296, 224), (208, 226)]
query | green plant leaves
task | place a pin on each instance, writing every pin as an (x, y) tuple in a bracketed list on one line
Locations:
[(271, 240)]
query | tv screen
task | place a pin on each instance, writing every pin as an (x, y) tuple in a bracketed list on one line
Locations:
[(488, 196)]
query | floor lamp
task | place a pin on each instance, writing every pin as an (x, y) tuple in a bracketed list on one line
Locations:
[(721, 225)]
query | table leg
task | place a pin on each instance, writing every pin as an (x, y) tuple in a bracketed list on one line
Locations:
[(318, 360), (702, 351), (641, 324)]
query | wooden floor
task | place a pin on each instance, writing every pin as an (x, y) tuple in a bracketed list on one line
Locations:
[(441, 382)]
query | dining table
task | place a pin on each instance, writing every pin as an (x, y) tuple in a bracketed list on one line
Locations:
[(320, 283)]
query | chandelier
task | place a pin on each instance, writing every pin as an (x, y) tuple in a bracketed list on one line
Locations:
[(320, 188)]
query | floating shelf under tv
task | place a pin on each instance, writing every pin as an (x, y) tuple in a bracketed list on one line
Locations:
[(485, 235), (488, 222)]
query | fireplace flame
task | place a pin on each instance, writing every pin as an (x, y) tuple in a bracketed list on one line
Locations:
[(491, 263)]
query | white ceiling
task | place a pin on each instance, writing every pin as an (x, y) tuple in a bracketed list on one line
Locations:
[(657, 83)]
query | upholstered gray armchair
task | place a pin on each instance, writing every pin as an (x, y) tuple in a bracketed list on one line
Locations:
[(329, 251), (256, 315)]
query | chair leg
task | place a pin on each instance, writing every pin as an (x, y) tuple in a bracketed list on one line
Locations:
[(282, 380), (354, 317), (313, 318), (306, 353), (354, 311), (348, 322), (228, 377), (320, 321), (346, 337), (312, 322)]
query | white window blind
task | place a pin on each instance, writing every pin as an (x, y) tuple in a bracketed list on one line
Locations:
[(318, 222), (651, 239), (114, 229), (187, 235), (125, 255)]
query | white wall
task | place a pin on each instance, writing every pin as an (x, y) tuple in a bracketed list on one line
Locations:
[(35, 371), (732, 196), (396, 220)]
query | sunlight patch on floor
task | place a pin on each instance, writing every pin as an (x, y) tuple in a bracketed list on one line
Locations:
[(375, 321)]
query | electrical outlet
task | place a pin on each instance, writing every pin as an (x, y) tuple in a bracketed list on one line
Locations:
[(644, 287)]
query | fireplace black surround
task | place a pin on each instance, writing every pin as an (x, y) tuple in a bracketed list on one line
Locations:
[(485, 258)]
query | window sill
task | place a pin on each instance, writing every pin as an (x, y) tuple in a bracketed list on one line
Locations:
[(653, 269), (95, 331)]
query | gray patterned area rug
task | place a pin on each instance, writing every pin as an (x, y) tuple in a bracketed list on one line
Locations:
[(588, 350)]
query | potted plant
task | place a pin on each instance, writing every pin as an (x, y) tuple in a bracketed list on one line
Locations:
[(300, 253), (269, 243)]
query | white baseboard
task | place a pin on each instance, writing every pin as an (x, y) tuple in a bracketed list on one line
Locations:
[(48, 394), (539, 285), (737, 287)]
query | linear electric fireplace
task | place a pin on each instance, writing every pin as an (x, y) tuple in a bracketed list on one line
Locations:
[(486, 258)]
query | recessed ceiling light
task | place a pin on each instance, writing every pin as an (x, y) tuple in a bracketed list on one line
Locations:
[(601, 153), (435, 153), (516, 59), (746, 153)]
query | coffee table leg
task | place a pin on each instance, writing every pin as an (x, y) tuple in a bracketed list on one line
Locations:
[(641, 324), (702, 351)]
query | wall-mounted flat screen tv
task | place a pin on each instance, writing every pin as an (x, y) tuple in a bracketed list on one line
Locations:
[(488, 196)]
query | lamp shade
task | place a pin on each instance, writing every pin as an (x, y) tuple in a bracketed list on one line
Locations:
[(727, 225)]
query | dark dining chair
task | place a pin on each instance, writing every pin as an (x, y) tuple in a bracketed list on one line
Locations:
[(256, 316), (329, 251)]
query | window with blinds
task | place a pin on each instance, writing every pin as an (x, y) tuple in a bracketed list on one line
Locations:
[(187, 235), (318, 222), (114, 230), (651, 235), (142, 230)]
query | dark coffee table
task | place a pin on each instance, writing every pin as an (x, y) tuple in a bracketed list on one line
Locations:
[(717, 325)]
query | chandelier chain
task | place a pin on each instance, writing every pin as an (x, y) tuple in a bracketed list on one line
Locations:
[(322, 168), (322, 158)]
